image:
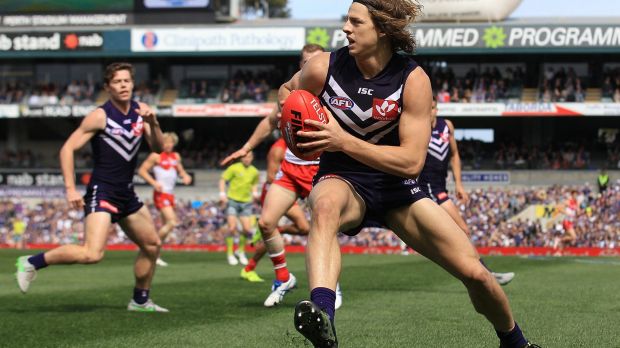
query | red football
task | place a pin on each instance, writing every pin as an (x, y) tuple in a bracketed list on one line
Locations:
[(299, 106)]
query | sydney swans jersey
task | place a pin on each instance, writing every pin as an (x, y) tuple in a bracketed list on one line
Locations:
[(115, 148), (369, 109), (438, 156), (166, 171), (291, 158)]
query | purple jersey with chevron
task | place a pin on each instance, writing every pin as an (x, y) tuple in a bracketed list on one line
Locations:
[(438, 156), (115, 148), (369, 109)]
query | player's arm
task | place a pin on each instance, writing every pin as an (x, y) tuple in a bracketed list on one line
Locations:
[(455, 163), (289, 86), (255, 188), (225, 178), (261, 132), (406, 160), (92, 123), (153, 135), (187, 179), (274, 158), (223, 197), (145, 168)]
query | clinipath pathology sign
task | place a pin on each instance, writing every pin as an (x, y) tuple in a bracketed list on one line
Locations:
[(217, 40)]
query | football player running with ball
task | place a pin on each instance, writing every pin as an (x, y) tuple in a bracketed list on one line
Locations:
[(372, 153)]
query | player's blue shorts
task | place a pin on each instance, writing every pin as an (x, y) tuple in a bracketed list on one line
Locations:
[(380, 192), (118, 202), (435, 190)]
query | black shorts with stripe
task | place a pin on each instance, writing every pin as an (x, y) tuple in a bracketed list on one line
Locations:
[(435, 190), (380, 192), (118, 202)]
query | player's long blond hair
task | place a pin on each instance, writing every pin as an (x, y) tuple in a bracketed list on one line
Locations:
[(393, 17)]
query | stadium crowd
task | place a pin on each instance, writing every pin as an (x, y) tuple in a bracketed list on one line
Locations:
[(474, 155), (491, 214), (42, 93), (610, 89), (562, 85), (487, 86)]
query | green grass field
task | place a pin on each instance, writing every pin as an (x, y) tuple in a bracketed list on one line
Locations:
[(389, 301)]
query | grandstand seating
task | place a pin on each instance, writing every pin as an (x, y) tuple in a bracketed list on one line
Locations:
[(497, 217)]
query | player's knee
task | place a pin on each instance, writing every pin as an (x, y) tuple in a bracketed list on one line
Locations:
[(304, 229), (152, 246), (323, 208), (266, 226), (172, 223), (92, 256), (476, 275), (466, 230)]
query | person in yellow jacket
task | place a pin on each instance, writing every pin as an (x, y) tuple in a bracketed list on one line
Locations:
[(603, 181), (19, 227), (238, 190)]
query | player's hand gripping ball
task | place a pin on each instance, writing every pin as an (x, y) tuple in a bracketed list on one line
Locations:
[(299, 106)]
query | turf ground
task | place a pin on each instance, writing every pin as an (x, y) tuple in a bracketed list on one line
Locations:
[(389, 301)]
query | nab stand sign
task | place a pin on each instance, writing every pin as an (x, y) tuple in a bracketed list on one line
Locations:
[(54, 41)]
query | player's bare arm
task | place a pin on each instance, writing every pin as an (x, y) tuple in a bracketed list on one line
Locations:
[(261, 132), (455, 163), (406, 160), (275, 156), (187, 179), (289, 86), (153, 134), (223, 197), (145, 169), (92, 123)]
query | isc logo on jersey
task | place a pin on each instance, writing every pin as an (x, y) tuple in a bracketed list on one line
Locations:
[(385, 110), (342, 103)]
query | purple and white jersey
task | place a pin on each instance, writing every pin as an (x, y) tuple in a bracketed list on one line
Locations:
[(368, 109), (115, 148), (438, 156)]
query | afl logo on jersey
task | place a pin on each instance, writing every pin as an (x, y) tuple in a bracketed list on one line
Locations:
[(342, 103)]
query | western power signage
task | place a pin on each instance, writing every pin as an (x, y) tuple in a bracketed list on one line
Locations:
[(492, 37), (51, 41)]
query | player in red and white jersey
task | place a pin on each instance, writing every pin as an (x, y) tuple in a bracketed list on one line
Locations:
[(569, 209), (293, 181), (166, 167), (295, 214)]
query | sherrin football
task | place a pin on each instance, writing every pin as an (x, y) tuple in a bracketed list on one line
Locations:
[(298, 107)]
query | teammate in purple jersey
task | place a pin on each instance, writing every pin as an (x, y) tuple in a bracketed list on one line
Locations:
[(115, 131), (379, 105), (443, 152)]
